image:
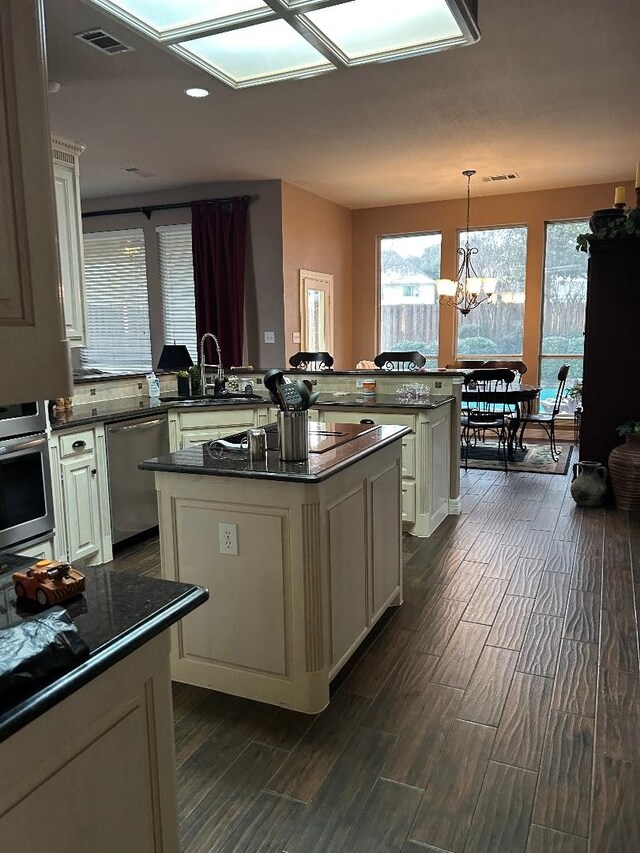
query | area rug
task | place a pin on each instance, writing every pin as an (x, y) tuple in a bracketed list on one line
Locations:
[(536, 459)]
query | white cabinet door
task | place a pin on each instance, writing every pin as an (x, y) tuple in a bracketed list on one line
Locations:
[(82, 506), (65, 176), (31, 324)]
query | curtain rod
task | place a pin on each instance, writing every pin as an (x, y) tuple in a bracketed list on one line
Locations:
[(149, 208)]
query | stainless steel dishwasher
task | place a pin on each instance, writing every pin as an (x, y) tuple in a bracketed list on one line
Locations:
[(134, 507)]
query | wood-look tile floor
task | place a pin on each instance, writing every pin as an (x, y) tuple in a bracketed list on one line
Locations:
[(497, 710)]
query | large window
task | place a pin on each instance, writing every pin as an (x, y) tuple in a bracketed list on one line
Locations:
[(409, 310), (117, 302), (178, 294), (565, 294), (495, 328)]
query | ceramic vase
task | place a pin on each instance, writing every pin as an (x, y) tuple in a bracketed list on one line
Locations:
[(624, 466), (589, 486)]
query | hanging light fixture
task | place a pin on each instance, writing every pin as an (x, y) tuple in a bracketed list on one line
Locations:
[(469, 289)]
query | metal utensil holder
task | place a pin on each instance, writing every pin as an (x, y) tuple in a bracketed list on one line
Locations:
[(293, 428)]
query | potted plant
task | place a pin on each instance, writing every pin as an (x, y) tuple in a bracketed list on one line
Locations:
[(575, 395), (620, 224), (624, 467), (196, 381), (184, 384)]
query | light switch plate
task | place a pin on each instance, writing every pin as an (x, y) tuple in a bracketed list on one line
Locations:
[(296, 337), (269, 337)]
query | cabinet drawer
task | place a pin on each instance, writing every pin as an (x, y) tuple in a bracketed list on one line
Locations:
[(408, 501), (215, 419), (76, 443), (409, 456)]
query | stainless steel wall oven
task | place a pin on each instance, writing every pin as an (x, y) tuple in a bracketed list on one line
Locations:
[(26, 507)]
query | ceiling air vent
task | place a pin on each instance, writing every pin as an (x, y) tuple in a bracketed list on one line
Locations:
[(104, 42), (507, 176)]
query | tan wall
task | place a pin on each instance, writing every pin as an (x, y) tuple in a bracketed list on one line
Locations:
[(316, 235), (531, 209)]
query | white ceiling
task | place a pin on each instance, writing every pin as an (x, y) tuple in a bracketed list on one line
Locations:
[(549, 92)]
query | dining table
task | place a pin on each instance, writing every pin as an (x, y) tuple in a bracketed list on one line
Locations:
[(518, 396)]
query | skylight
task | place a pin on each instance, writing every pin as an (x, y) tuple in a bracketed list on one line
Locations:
[(250, 42)]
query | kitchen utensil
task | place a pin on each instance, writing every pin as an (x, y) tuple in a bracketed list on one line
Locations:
[(288, 395), (304, 393), (274, 398), (313, 398), (307, 382)]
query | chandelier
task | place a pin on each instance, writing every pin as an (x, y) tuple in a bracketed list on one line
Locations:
[(468, 290)]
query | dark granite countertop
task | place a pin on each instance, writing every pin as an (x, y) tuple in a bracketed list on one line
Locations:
[(132, 407), (117, 614), (382, 401), (205, 459)]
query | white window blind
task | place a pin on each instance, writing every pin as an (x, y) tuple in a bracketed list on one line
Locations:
[(178, 294), (117, 301)]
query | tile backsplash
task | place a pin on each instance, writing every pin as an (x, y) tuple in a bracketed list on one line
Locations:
[(114, 389)]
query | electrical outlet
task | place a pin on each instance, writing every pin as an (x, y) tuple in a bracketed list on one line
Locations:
[(438, 383), (269, 337), (228, 538)]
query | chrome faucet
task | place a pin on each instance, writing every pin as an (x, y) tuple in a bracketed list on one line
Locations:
[(203, 365)]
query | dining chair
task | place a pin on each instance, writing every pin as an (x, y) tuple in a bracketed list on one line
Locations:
[(519, 366), (399, 361), (491, 413), (547, 420), (311, 361), (465, 364)]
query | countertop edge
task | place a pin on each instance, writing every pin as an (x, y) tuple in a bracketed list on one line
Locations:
[(67, 683), (284, 476)]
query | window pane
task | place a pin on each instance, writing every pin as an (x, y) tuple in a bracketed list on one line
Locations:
[(256, 53), (117, 302), (178, 289), (549, 367), (168, 14), (409, 267), (496, 328), (367, 27), (565, 296)]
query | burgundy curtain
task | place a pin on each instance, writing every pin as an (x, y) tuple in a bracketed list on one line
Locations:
[(219, 237)]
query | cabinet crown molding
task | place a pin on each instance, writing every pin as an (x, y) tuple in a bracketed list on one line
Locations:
[(62, 148)]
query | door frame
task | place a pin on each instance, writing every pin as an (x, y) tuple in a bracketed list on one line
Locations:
[(323, 281)]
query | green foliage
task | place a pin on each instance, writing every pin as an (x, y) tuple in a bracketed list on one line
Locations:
[(182, 374), (196, 379), (477, 346), (575, 392), (468, 330), (629, 428), (553, 345), (415, 346), (626, 227)]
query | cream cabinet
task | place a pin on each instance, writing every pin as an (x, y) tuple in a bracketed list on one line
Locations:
[(32, 336), (81, 496), (66, 179), (426, 454), (97, 771), (191, 426)]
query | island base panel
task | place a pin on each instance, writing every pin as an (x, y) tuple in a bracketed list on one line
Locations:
[(317, 566)]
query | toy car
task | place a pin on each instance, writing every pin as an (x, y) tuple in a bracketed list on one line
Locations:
[(48, 582)]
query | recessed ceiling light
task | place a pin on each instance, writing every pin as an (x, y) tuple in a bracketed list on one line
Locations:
[(195, 92)]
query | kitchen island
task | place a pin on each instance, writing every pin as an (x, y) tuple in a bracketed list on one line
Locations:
[(87, 754), (302, 559)]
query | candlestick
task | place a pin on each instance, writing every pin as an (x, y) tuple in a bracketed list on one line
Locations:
[(620, 197)]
